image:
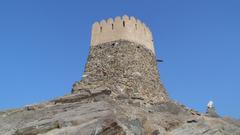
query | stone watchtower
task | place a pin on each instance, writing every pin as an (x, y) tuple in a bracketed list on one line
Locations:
[(122, 60)]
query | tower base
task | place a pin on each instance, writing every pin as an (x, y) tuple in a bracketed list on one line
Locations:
[(125, 68)]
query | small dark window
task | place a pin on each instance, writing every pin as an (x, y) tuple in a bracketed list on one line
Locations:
[(136, 26), (112, 26), (101, 29), (123, 23)]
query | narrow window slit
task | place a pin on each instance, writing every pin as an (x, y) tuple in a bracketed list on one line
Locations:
[(136, 26), (112, 26), (123, 23), (101, 29)]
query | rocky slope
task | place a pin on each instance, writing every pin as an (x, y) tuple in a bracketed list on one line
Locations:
[(98, 114), (120, 94)]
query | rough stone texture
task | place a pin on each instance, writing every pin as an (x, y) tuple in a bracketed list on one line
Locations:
[(207, 126), (126, 68), (91, 115)]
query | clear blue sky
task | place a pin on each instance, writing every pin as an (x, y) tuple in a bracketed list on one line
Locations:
[(44, 46)]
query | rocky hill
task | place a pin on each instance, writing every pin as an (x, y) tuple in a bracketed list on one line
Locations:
[(120, 94), (98, 114)]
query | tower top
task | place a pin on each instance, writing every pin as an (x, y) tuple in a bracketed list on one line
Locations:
[(122, 28)]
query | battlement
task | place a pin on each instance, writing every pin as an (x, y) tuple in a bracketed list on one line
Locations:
[(124, 28)]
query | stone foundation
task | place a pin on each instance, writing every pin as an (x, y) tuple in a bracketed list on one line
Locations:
[(126, 68)]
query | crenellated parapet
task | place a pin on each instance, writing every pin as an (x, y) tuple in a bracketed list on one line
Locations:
[(122, 28)]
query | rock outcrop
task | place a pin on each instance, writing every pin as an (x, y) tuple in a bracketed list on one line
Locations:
[(100, 114)]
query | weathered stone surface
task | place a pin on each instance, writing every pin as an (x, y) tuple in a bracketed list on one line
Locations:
[(54, 117), (111, 117), (207, 126), (125, 68)]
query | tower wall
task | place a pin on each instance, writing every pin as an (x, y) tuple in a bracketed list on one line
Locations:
[(122, 60), (122, 28)]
